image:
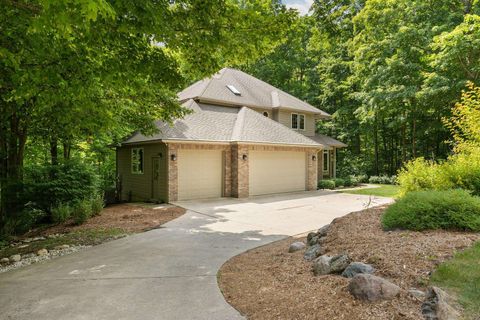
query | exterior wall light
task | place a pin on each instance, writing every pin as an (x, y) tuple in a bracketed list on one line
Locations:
[(314, 158), (173, 157), (244, 157)]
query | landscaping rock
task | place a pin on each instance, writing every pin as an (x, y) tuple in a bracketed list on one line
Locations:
[(313, 241), (296, 246), (437, 306), (42, 252), (322, 232), (339, 263), (322, 240), (62, 247), (15, 258), (313, 252), (355, 268), (416, 293), (321, 265), (4, 260), (310, 236), (372, 288)]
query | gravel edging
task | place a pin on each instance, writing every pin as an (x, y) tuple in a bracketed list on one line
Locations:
[(31, 258)]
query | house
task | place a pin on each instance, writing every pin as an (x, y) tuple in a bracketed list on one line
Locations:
[(243, 137)]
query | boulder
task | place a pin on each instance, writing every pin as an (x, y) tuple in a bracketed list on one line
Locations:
[(4, 260), (313, 252), (322, 232), (437, 306), (313, 241), (42, 252), (372, 288), (322, 240), (321, 265), (339, 263), (355, 268), (311, 235), (419, 294), (15, 258), (296, 246)]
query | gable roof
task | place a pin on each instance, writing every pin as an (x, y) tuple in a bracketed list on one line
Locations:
[(253, 93), (225, 124)]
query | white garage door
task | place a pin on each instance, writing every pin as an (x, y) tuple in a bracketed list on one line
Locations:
[(276, 171), (199, 174)]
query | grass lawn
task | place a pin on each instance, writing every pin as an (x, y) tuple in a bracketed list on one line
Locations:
[(383, 190), (461, 276)]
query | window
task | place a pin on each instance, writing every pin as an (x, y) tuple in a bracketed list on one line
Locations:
[(298, 121), (234, 90), (326, 160), (265, 113), (137, 160)]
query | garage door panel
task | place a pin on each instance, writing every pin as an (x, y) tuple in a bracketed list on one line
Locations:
[(199, 174), (276, 171)]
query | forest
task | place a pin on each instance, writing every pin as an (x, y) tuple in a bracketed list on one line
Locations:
[(79, 76)]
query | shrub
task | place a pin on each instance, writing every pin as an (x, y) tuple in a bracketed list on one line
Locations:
[(422, 210), (326, 184), (97, 205), (360, 178), (61, 212), (82, 211), (339, 182), (65, 183), (382, 179), (21, 221), (460, 171)]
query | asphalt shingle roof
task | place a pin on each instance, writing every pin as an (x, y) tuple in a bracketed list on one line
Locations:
[(225, 124), (253, 93)]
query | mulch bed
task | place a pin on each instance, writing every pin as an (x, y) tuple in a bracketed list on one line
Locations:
[(130, 218), (270, 283)]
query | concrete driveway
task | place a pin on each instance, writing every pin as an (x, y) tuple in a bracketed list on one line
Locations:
[(168, 273)]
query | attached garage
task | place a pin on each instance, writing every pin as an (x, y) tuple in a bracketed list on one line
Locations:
[(276, 171), (199, 174)]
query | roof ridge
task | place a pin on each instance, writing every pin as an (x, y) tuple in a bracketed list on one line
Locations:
[(239, 124)]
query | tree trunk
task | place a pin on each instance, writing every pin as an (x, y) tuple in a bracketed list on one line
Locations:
[(54, 151), (66, 151), (375, 141), (414, 138)]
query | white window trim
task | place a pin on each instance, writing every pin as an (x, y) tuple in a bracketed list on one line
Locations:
[(143, 160), (298, 121), (327, 153)]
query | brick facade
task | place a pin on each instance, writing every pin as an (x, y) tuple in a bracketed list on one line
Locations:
[(236, 166)]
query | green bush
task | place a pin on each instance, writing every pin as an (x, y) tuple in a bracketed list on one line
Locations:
[(326, 184), (460, 171), (423, 210), (382, 179), (61, 212), (65, 183), (97, 205), (82, 211), (339, 182)]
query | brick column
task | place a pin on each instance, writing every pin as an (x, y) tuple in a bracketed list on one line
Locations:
[(240, 183), (312, 170), (172, 173), (227, 172)]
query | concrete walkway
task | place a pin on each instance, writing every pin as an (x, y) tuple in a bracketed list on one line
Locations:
[(168, 273)]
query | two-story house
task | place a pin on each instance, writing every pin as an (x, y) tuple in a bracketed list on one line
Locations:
[(243, 137)]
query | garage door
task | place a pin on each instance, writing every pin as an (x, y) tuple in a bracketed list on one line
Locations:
[(276, 171), (199, 174)]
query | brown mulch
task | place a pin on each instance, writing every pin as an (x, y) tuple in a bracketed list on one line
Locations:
[(130, 218), (270, 283)]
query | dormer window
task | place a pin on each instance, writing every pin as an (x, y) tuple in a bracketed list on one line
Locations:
[(234, 90), (298, 121)]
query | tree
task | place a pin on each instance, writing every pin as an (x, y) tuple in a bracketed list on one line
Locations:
[(74, 70)]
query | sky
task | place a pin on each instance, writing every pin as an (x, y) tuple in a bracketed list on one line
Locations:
[(301, 5)]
